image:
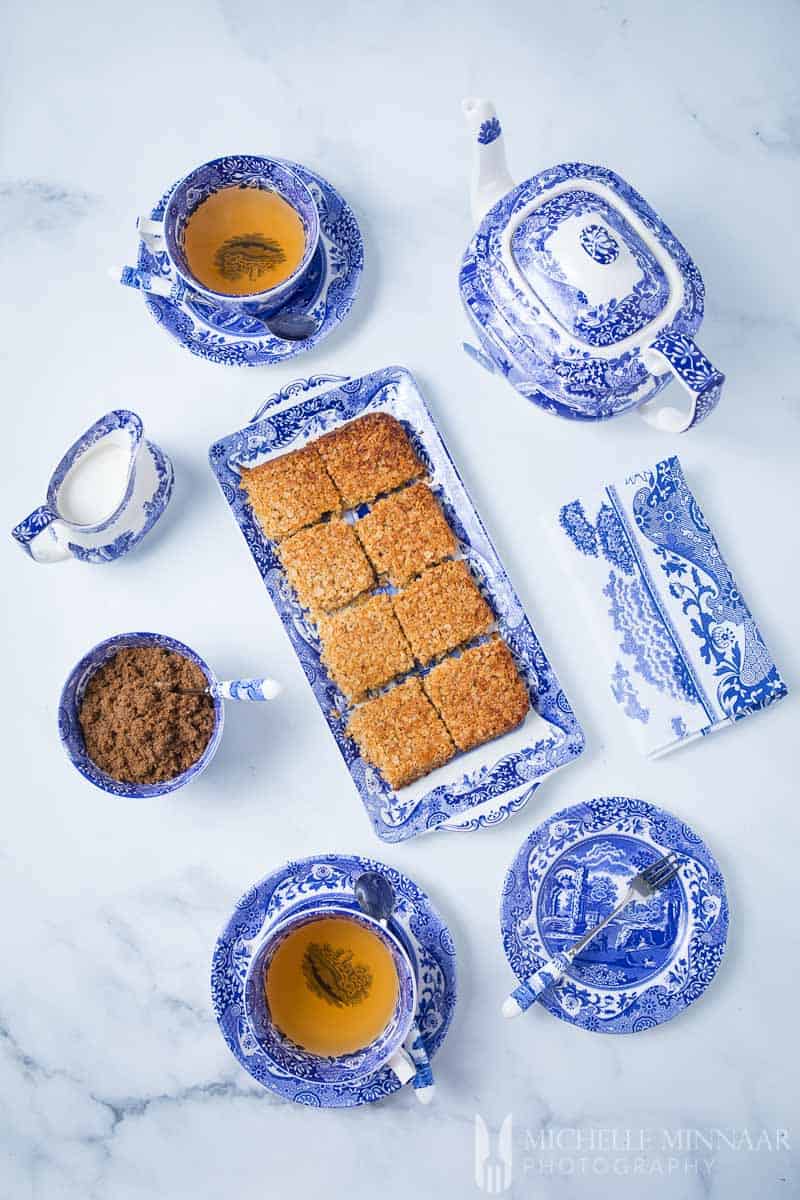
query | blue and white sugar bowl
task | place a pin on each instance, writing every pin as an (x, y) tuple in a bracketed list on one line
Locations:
[(578, 293), (69, 711), (107, 492)]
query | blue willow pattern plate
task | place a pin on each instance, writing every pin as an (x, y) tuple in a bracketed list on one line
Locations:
[(327, 292), (298, 885), (492, 781), (657, 957)]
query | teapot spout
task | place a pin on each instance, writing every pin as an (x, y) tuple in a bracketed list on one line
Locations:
[(490, 175)]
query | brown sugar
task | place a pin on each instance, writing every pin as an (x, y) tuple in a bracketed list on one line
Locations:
[(442, 610), (405, 533), (369, 456), (364, 646), (401, 734), (138, 732), (326, 566), (479, 695), (291, 491)]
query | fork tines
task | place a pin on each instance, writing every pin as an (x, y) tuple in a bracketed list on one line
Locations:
[(659, 873)]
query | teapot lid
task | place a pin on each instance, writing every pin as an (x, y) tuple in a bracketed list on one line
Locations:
[(576, 250), (587, 266)]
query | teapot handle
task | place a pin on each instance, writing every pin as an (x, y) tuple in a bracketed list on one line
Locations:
[(680, 355), (38, 535)]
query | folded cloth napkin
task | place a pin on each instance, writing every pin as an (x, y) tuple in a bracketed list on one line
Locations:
[(685, 655)]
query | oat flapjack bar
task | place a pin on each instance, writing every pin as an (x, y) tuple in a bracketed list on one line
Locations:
[(291, 491), (442, 610), (480, 694), (401, 734), (405, 533), (326, 566), (369, 456), (364, 647)]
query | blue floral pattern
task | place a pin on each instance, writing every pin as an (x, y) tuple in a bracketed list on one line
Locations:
[(298, 886), (578, 529), (152, 509), (497, 785), (657, 957), (645, 638), (327, 292), (599, 324), (599, 243), (624, 692), (614, 541), (552, 345), (34, 524), (702, 583), (69, 727), (489, 131), (678, 622), (700, 377), (147, 492), (240, 171)]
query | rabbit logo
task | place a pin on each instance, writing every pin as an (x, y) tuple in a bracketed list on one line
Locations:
[(493, 1162)]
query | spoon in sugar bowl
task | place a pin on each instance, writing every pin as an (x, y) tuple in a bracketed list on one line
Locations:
[(376, 898)]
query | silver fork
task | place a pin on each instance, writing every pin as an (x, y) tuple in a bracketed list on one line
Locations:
[(649, 881)]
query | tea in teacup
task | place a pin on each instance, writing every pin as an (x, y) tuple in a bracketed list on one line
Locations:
[(331, 986), (243, 240)]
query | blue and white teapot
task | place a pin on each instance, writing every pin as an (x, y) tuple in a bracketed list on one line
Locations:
[(579, 293)]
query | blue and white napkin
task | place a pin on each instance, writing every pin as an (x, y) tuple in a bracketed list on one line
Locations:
[(686, 657)]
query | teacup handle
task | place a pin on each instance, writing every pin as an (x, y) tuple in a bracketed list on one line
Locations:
[(679, 354), (403, 1065), (249, 689), (171, 286), (38, 535), (151, 232)]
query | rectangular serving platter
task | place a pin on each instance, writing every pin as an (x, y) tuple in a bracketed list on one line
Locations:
[(491, 780)]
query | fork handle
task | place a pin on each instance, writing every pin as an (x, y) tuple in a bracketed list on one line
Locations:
[(528, 993)]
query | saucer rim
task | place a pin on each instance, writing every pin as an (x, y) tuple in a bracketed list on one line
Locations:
[(249, 351), (517, 872), (383, 1082)]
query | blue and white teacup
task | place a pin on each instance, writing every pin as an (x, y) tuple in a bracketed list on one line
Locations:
[(107, 492), (72, 694), (165, 238), (385, 1051)]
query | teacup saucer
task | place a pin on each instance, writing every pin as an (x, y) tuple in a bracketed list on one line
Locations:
[(293, 887), (657, 957), (327, 292)]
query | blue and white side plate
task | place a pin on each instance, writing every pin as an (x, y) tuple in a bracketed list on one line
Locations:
[(657, 957), (327, 292), (488, 783), (685, 656), (296, 886)]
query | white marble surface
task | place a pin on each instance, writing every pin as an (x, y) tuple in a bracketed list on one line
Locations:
[(115, 1083)]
